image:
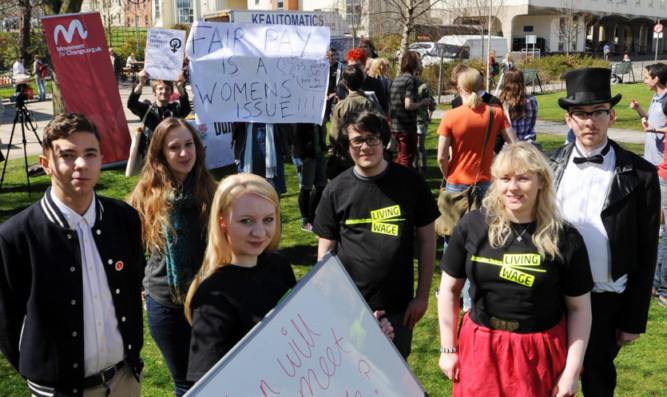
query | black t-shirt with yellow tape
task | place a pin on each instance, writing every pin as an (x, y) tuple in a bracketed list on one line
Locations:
[(514, 281), (373, 221)]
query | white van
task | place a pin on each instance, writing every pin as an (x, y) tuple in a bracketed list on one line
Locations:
[(474, 42)]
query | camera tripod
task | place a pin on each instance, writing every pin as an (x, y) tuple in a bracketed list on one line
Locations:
[(24, 117)]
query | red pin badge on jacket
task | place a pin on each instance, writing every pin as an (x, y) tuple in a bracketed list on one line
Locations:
[(119, 265)]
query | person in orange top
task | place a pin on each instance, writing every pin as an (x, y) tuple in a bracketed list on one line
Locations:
[(463, 130)]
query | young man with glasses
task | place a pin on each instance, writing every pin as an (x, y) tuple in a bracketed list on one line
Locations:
[(612, 197), (373, 216)]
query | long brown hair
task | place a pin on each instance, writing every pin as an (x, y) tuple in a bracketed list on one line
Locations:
[(514, 93), (157, 180)]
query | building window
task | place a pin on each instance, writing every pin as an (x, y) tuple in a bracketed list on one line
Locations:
[(157, 9), (146, 21), (184, 11), (280, 5)]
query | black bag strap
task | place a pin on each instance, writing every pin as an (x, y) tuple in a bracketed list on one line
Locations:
[(486, 140), (143, 119)]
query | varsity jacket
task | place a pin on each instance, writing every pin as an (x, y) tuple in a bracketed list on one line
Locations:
[(41, 291), (631, 216)]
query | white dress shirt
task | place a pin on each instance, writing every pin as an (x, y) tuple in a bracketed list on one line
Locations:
[(18, 68), (582, 193), (103, 343)]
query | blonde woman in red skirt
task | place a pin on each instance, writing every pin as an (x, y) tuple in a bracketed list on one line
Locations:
[(528, 328)]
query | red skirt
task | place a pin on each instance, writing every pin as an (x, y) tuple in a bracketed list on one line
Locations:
[(503, 363)]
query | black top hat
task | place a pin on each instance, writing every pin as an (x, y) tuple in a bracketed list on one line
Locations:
[(588, 86)]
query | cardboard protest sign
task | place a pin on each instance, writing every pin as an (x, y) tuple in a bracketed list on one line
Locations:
[(217, 140), (258, 73), (321, 340), (164, 53)]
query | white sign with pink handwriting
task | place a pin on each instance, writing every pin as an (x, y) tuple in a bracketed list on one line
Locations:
[(321, 340)]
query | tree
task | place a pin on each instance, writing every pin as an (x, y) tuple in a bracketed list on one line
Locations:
[(25, 15), (566, 25), (481, 13), (408, 13), (54, 7)]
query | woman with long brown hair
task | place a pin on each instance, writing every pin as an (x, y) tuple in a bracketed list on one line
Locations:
[(173, 198), (520, 107)]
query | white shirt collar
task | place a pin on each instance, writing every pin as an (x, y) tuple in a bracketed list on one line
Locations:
[(72, 216), (582, 152)]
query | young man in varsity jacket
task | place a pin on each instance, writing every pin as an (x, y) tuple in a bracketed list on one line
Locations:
[(70, 277)]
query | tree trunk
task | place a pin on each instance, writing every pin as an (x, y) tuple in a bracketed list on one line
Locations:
[(58, 103), (408, 23), (24, 34)]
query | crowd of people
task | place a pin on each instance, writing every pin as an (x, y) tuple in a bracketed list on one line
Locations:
[(555, 265)]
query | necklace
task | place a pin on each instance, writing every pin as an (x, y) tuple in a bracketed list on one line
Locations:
[(519, 237)]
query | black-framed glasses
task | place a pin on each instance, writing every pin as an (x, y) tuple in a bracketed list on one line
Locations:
[(372, 140), (596, 115)]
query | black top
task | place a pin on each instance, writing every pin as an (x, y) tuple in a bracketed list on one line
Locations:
[(180, 108), (41, 290), (229, 303), (374, 222), (514, 281)]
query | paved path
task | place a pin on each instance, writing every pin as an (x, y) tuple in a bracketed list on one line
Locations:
[(43, 111)]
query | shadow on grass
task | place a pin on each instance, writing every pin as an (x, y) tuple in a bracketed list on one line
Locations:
[(303, 255)]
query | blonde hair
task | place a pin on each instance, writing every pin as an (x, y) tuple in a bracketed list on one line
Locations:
[(379, 68), (470, 81), (218, 251), (150, 196), (523, 157)]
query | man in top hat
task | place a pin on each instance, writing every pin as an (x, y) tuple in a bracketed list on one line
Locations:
[(612, 197)]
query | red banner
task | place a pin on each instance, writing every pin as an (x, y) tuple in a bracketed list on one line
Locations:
[(81, 60)]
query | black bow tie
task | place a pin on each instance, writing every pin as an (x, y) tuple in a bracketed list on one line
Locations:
[(597, 159)]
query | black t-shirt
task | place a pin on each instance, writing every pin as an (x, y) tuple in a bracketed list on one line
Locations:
[(515, 282), (229, 303), (405, 86), (374, 222)]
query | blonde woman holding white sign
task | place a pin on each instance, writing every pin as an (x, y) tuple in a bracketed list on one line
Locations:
[(242, 278)]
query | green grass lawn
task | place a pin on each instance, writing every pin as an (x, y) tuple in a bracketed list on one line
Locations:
[(627, 118), (640, 363), (6, 93)]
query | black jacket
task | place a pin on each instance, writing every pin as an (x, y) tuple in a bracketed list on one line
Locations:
[(303, 140), (41, 290), (631, 216), (283, 134), (180, 108)]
